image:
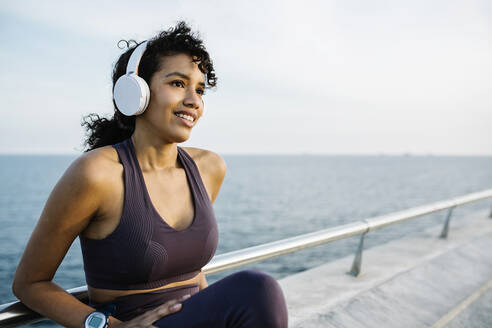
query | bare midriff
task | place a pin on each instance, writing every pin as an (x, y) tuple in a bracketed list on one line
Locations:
[(99, 295)]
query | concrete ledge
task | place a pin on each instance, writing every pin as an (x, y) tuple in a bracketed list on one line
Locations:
[(411, 282)]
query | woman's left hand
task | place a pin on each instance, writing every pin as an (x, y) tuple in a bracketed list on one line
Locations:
[(148, 318)]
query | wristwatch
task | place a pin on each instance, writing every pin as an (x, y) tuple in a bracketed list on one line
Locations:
[(100, 317), (96, 319)]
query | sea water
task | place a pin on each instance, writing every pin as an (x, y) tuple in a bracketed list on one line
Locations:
[(265, 198)]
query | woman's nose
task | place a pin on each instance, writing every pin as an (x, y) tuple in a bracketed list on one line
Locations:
[(192, 100)]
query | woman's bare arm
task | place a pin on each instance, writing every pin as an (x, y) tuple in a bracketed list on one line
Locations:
[(212, 169), (73, 202), (215, 167)]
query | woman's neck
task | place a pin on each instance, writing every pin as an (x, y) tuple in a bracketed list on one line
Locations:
[(153, 153)]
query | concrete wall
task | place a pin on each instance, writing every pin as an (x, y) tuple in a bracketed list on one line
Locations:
[(422, 281)]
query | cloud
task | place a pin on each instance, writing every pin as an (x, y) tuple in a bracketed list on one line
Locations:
[(316, 76)]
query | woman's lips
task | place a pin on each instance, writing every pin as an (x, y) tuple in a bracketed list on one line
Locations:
[(186, 122)]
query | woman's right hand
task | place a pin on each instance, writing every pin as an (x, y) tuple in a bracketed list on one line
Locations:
[(148, 318)]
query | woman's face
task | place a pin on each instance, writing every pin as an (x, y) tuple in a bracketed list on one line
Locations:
[(175, 90)]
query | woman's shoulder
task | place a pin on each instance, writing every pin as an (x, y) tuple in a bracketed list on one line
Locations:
[(212, 169), (97, 166), (86, 184), (207, 160)]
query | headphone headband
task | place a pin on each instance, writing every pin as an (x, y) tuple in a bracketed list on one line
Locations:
[(135, 57)]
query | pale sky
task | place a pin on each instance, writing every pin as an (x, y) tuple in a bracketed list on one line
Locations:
[(294, 77)]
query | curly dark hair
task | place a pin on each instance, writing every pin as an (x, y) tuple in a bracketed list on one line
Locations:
[(179, 39)]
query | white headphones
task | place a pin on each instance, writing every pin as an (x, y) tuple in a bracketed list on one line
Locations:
[(131, 93)]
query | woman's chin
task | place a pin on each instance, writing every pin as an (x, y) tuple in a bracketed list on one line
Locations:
[(182, 137)]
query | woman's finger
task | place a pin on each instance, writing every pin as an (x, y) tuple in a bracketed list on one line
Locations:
[(167, 308), (170, 306), (161, 311)]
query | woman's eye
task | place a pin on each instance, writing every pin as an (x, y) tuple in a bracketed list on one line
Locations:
[(200, 91), (178, 83)]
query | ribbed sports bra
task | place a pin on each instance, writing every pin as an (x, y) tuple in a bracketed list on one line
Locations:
[(144, 252)]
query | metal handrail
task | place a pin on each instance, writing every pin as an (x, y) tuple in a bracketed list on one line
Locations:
[(15, 313)]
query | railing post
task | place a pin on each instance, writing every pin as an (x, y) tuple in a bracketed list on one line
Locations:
[(445, 228), (355, 270)]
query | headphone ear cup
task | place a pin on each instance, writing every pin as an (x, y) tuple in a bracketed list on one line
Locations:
[(145, 94), (131, 94)]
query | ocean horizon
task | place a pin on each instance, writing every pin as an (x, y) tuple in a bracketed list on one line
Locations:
[(266, 198)]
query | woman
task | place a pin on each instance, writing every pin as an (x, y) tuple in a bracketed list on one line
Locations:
[(142, 208)]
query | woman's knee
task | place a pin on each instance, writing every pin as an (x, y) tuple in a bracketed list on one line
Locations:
[(254, 280), (265, 298)]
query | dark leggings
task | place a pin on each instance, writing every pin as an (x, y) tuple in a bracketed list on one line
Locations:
[(245, 299)]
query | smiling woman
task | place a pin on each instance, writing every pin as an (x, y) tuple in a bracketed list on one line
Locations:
[(177, 42), (142, 208)]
